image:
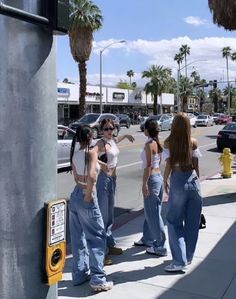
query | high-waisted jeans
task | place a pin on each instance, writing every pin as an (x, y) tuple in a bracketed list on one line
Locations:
[(153, 227), (106, 188), (88, 239), (183, 215)]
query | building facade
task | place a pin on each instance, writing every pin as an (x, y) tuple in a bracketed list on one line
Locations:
[(114, 100)]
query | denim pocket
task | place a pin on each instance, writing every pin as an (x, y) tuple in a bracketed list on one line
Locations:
[(192, 183)]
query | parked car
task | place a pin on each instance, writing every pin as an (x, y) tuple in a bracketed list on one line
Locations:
[(124, 119), (223, 119), (163, 121), (227, 137), (216, 116), (193, 120), (94, 121), (64, 139), (204, 120)]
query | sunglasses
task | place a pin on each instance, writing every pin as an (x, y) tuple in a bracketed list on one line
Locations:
[(108, 129)]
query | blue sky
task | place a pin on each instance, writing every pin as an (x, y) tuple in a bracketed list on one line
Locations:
[(153, 30)]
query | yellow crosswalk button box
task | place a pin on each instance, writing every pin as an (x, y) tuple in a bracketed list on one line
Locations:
[(55, 240)]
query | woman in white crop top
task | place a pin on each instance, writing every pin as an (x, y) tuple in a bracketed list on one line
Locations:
[(88, 237), (106, 184), (153, 227), (183, 187)]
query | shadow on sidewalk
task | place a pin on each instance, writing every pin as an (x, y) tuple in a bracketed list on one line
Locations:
[(219, 199), (214, 276)]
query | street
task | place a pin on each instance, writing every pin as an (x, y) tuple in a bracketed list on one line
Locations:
[(129, 170)]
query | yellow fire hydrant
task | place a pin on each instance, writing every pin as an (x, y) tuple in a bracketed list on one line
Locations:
[(226, 160)]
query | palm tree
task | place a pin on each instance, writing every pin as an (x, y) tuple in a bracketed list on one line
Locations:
[(130, 74), (184, 51), (158, 76), (224, 12), (226, 53), (179, 59), (85, 18)]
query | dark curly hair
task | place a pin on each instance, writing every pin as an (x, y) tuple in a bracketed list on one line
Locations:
[(153, 130)]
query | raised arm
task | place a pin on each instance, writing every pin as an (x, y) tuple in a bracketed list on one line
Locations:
[(122, 137)]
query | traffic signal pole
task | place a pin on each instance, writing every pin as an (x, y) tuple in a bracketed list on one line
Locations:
[(28, 152)]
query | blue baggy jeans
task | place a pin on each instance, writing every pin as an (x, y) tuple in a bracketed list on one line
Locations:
[(106, 188), (88, 239), (153, 224), (183, 215)]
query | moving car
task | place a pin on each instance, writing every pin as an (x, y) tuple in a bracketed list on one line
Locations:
[(223, 119), (124, 119), (227, 137), (204, 120), (163, 120), (94, 121), (234, 117), (64, 139)]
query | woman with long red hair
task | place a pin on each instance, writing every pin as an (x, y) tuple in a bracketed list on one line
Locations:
[(185, 202)]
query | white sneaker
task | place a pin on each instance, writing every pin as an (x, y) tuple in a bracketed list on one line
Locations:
[(106, 286), (140, 243), (174, 268), (157, 251)]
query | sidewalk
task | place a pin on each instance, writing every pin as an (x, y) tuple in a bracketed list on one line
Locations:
[(137, 275)]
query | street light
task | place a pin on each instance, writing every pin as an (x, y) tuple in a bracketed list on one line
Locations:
[(101, 51), (178, 77)]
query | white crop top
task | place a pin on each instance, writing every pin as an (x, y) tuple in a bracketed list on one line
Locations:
[(195, 153), (78, 161), (112, 152), (156, 158)]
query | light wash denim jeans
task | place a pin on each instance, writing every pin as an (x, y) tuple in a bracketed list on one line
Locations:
[(88, 239), (183, 215), (106, 188), (154, 226), (147, 236)]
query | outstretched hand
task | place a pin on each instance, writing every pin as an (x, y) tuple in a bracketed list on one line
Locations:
[(130, 138)]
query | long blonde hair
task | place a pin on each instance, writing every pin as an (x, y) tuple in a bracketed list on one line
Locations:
[(179, 141)]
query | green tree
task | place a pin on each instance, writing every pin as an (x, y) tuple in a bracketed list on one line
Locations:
[(184, 51), (215, 94), (158, 76), (123, 85), (85, 19), (186, 90), (231, 91), (130, 74)]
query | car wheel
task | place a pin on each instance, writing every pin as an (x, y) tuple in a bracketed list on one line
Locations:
[(128, 125), (220, 148), (115, 132), (95, 133)]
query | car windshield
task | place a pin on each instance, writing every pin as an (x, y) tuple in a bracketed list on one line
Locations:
[(231, 127), (89, 118), (155, 117), (202, 117)]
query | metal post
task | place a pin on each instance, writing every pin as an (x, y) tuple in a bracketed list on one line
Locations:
[(28, 155), (101, 81)]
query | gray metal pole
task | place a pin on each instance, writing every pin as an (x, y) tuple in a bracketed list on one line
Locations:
[(28, 117), (100, 81), (178, 99), (228, 85)]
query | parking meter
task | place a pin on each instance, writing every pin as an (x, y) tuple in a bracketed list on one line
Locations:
[(55, 240)]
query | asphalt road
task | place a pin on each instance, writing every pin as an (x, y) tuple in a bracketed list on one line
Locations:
[(129, 196)]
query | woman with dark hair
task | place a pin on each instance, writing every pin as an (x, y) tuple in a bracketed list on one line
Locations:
[(88, 237), (106, 184), (185, 202), (152, 188)]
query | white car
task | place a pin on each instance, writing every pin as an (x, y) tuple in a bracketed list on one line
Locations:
[(64, 139), (192, 119), (204, 120)]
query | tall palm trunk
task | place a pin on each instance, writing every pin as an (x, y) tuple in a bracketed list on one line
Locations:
[(82, 88), (185, 61), (227, 68), (155, 104)]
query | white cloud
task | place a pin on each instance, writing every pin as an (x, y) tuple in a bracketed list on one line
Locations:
[(162, 52), (195, 21)]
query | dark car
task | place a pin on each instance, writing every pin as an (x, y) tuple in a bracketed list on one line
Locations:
[(124, 119), (227, 137), (94, 121), (223, 119)]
